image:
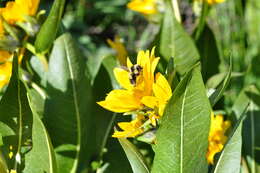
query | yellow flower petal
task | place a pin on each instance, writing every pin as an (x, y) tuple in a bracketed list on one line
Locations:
[(145, 7), (122, 76), (121, 101), (5, 73), (130, 129), (118, 46), (161, 88), (129, 63), (16, 11), (4, 56), (150, 101), (217, 137)]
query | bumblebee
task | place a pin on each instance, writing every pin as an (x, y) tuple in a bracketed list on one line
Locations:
[(134, 72)]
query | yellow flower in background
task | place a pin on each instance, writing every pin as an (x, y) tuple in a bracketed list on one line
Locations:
[(120, 49), (217, 137), (145, 7), (211, 2), (142, 94), (130, 129), (13, 171), (5, 68), (215, 1), (15, 11)]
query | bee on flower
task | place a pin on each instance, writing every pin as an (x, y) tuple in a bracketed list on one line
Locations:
[(143, 94)]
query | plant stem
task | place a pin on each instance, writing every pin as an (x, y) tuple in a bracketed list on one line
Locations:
[(176, 10)]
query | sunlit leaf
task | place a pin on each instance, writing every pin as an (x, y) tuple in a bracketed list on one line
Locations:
[(49, 29), (176, 43), (182, 138), (134, 156), (68, 109)]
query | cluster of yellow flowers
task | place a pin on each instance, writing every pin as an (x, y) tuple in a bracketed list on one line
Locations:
[(143, 94), (148, 97), (217, 138), (13, 12)]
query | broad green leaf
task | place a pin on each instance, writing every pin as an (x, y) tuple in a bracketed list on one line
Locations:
[(41, 158), (68, 109), (230, 157), (102, 121), (15, 113), (134, 156), (176, 43), (50, 27), (202, 20), (39, 69), (207, 47), (182, 138), (95, 60), (218, 93), (116, 158), (251, 128), (110, 63), (252, 14)]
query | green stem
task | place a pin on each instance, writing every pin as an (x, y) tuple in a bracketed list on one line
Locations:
[(202, 20), (42, 57), (176, 10)]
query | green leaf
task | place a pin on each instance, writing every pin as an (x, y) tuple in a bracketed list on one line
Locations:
[(110, 63), (68, 109), (50, 27), (182, 138), (41, 158), (176, 43), (15, 113), (103, 119), (95, 60), (252, 14), (218, 93), (251, 128), (230, 157), (134, 156), (116, 158), (207, 47)]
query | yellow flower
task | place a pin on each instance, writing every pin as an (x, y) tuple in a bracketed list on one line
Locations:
[(145, 7), (5, 68), (120, 49), (129, 98), (1, 25), (162, 93), (15, 11), (211, 2), (217, 137), (13, 171), (142, 94), (130, 129), (215, 1)]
